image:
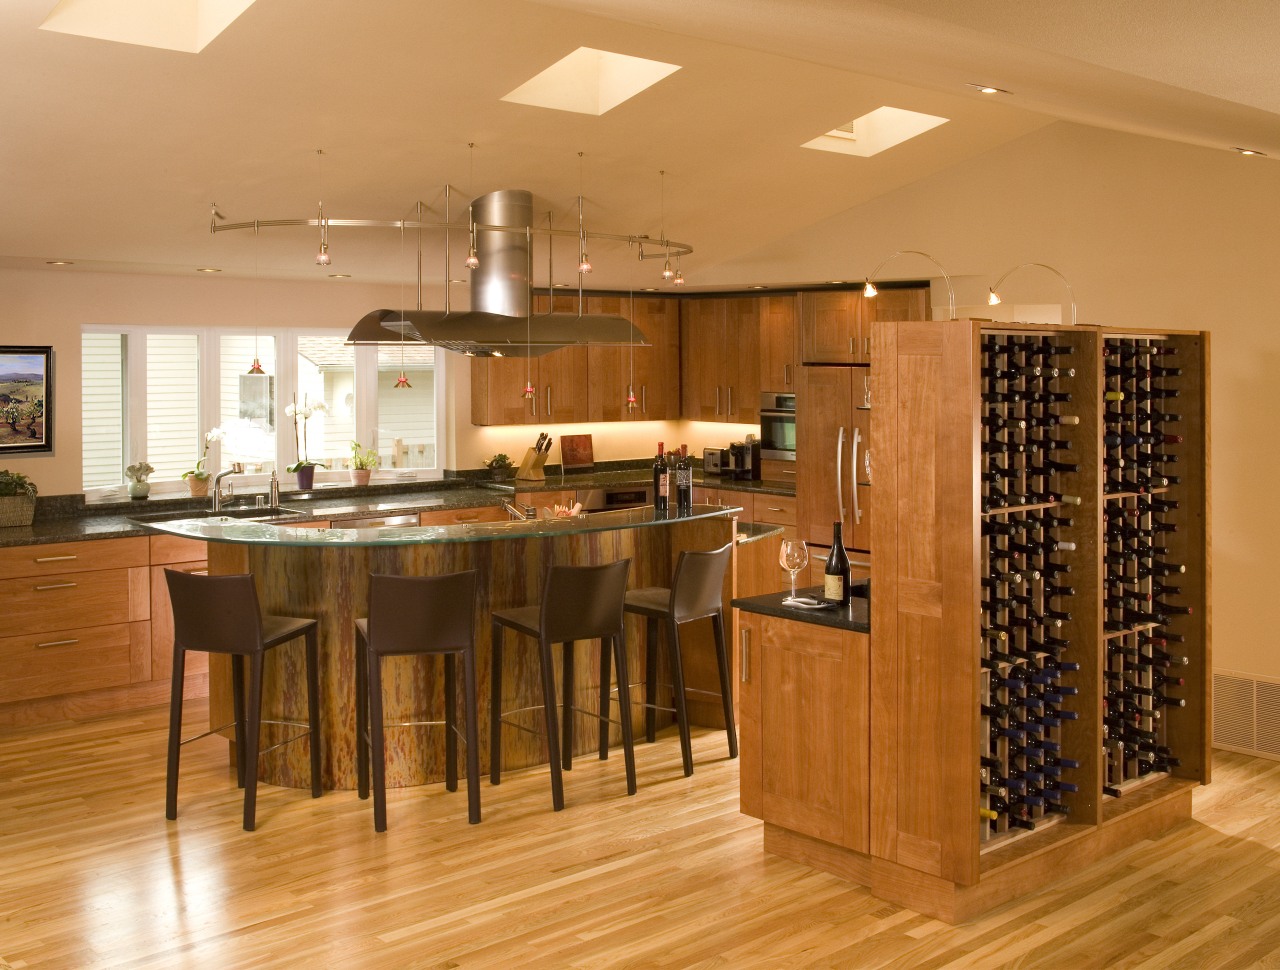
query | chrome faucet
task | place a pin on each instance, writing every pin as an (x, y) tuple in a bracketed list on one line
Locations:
[(518, 511), (218, 498)]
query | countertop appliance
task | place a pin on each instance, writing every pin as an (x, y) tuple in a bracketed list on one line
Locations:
[(778, 426), (614, 497), (744, 459), (715, 461)]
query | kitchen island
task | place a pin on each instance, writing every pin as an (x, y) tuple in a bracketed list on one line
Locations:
[(324, 573)]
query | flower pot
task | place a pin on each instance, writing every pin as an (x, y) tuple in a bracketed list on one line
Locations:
[(502, 474), (306, 476), (140, 490), (360, 476), (16, 510), (197, 487)]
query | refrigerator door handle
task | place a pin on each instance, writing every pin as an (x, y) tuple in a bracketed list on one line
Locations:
[(853, 478), (840, 472)]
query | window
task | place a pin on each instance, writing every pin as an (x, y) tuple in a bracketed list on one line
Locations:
[(152, 393)]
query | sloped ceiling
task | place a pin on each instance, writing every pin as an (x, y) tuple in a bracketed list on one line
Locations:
[(112, 153)]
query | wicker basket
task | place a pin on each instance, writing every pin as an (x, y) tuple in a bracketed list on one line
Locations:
[(16, 510)]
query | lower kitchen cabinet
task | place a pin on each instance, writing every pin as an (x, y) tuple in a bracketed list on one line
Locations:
[(805, 728)]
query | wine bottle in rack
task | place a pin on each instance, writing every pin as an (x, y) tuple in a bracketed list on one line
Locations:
[(835, 579)]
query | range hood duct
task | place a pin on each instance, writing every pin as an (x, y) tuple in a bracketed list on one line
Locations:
[(499, 321)]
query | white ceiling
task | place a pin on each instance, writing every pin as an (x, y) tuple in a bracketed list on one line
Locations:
[(111, 153)]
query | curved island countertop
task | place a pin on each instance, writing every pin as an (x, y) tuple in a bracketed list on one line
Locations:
[(324, 573)]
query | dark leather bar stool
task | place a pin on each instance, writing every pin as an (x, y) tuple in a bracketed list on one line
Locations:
[(578, 603), (696, 593), (417, 616), (220, 614)]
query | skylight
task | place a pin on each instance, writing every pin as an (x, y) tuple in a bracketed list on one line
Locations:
[(875, 131), (176, 25), (590, 81)]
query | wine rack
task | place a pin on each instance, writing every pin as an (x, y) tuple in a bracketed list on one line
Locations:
[(1040, 625)]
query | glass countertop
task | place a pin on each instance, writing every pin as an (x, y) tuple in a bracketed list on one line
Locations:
[(226, 529)]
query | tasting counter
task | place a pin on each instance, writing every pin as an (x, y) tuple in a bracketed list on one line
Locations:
[(324, 573)]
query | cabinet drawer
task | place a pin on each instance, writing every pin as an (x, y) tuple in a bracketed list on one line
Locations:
[(485, 513), (69, 557), (167, 549), (64, 601), (41, 665), (775, 509)]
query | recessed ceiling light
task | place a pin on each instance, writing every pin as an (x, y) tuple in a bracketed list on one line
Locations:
[(875, 131), (58, 262), (590, 81), (339, 276), (837, 282), (207, 269), (176, 25), (987, 89), (756, 286), (1251, 151), (648, 289), (457, 281)]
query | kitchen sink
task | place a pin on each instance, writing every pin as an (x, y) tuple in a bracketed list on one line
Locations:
[(247, 513)]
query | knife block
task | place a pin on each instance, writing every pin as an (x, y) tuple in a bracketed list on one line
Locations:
[(531, 467)]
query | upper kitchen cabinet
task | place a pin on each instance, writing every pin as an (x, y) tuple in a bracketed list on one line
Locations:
[(559, 381), (831, 330), (720, 359), (653, 371), (897, 305), (779, 343)]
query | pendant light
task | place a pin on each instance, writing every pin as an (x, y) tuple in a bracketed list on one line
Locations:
[(402, 381), (584, 264), (473, 261), (256, 367), (322, 257), (667, 272)]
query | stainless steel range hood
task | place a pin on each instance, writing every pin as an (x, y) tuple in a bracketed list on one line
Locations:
[(499, 322)]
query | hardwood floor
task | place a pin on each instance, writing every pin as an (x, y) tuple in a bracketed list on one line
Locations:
[(94, 876)]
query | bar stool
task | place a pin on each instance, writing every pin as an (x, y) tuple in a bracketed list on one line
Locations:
[(417, 616), (578, 603), (220, 614), (696, 592)]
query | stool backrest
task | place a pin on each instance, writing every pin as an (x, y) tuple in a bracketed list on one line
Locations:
[(698, 587), (215, 613), (422, 614), (584, 602)]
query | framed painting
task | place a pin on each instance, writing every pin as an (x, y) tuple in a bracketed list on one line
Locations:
[(26, 399)]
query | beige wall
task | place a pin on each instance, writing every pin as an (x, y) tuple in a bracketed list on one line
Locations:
[(1150, 233)]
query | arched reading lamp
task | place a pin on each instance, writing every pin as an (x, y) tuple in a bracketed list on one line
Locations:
[(869, 287), (994, 299)]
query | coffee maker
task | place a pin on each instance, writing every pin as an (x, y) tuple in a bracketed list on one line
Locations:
[(744, 459)]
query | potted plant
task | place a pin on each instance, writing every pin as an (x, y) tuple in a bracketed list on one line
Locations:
[(197, 478), (363, 462), (17, 499), (304, 467), (500, 467), (139, 487)]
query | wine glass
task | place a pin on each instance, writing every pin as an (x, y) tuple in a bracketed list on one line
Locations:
[(793, 556)]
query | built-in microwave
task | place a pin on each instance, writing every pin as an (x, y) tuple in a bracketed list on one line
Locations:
[(778, 426)]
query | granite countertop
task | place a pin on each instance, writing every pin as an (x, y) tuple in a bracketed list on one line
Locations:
[(855, 617)]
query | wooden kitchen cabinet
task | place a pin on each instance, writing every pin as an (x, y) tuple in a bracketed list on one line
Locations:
[(804, 703), (832, 432), (653, 371), (831, 327), (720, 359), (484, 513), (779, 343)]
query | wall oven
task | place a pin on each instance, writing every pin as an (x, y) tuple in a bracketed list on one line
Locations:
[(778, 426)]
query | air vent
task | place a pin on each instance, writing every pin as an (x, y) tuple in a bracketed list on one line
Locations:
[(1246, 713)]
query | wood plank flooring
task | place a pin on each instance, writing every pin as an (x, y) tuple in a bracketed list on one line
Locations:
[(94, 876)]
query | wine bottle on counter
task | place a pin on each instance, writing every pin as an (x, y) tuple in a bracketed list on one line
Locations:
[(835, 584), (684, 482), (661, 481)]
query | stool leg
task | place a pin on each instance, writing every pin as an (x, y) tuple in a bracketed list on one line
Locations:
[(651, 678), (606, 675), (377, 742), (175, 733), (550, 714), (495, 708), (677, 682), (469, 704), (568, 697), (726, 685), (624, 711), (253, 739), (237, 706), (362, 715), (313, 708), (450, 724)]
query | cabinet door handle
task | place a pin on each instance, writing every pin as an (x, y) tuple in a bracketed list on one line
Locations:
[(717, 399), (644, 398), (866, 346), (465, 517), (786, 374), (772, 508), (57, 643), (55, 586), (55, 558), (851, 350), (548, 400), (744, 674), (730, 411), (840, 472)]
